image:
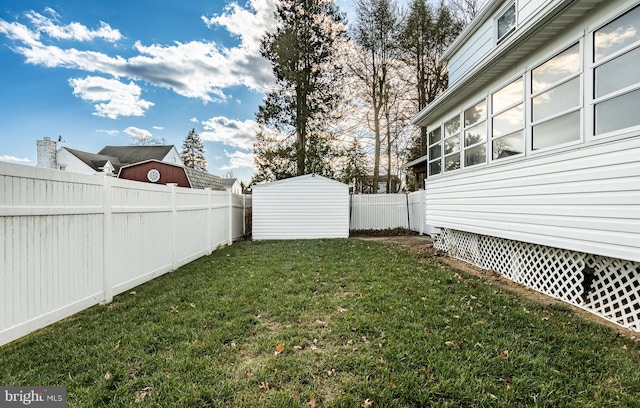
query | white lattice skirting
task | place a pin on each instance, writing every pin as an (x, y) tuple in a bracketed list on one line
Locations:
[(604, 286)]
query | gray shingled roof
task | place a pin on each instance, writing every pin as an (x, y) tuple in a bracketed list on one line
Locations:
[(95, 161), (136, 154), (202, 179)]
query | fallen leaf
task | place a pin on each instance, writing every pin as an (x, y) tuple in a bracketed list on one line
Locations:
[(312, 401), (279, 349), (107, 376), (367, 403), (192, 304), (450, 343), (174, 309), (116, 347), (133, 292), (264, 386), (142, 394), (504, 354), (341, 309)]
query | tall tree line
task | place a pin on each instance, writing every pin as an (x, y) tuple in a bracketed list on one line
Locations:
[(341, 105)]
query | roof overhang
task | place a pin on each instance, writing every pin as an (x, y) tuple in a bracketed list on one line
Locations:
[(551, 20), (415, 162)]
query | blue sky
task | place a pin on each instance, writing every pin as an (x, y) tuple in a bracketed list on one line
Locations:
[(104, 72), (101, 73)]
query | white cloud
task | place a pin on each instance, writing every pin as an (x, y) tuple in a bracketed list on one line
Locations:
[(249, 24), (194, 120), (14, 159), (73, 31), (231, 132), (119, 99), (195, 69), (137, 133), (108, 131), (158, 127), (238, 160)]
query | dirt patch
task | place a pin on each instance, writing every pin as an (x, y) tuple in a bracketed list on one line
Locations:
[(424, 245)]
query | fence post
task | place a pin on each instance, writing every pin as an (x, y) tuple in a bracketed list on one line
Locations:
[(244, 215), (208, 225), (174, 226), (230, 217), (107, 244)]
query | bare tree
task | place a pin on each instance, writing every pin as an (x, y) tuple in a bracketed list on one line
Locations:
[(466, 10), (375, 36)]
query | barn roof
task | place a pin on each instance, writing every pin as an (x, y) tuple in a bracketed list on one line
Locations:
[(136, 154)]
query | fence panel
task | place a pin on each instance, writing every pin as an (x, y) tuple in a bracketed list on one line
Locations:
[(51, 264), (378, 211), (72, 240)]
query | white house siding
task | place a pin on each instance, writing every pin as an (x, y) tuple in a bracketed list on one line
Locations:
[(70, 163), (477, 47), (481, 41), (584, 200), (304, 207), (173, 157), (527, 9)]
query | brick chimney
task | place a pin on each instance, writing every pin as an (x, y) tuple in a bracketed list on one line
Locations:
[(47, 153)]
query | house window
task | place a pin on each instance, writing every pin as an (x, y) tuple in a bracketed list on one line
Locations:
[(555, 100), (435, 151), (616, 87), (475, 135), (507, 123), (506, 23), (452, 144)]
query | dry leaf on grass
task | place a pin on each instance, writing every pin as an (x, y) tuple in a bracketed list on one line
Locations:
[(279, 349), (367, 403), (142, 394), (312, 401)]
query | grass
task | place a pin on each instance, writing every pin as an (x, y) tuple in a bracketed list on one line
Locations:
[(335, 323)]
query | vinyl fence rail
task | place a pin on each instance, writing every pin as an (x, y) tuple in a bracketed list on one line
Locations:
[(71, 241)]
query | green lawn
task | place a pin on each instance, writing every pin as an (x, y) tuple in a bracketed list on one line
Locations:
[(332, 323)]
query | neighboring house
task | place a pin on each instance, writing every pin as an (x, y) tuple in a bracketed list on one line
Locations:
[(367, 187), (534, 150), (159, 172), (151, 164), (137, 154), (233, 185), (107, 161)]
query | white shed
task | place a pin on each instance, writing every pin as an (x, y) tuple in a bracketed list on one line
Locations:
[(303, 207)]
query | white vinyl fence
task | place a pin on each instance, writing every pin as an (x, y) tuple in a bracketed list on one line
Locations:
[(388, 211), (71, 241)]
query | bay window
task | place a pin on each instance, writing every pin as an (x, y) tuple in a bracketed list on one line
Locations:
[(616, 88), (507, 123), (556, 100)]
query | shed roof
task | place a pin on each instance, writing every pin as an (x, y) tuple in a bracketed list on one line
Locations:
[(297, 179)]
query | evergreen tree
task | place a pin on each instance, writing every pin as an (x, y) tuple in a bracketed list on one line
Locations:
[(355, 170), (193, 152), (301, 51), (425, 36)]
